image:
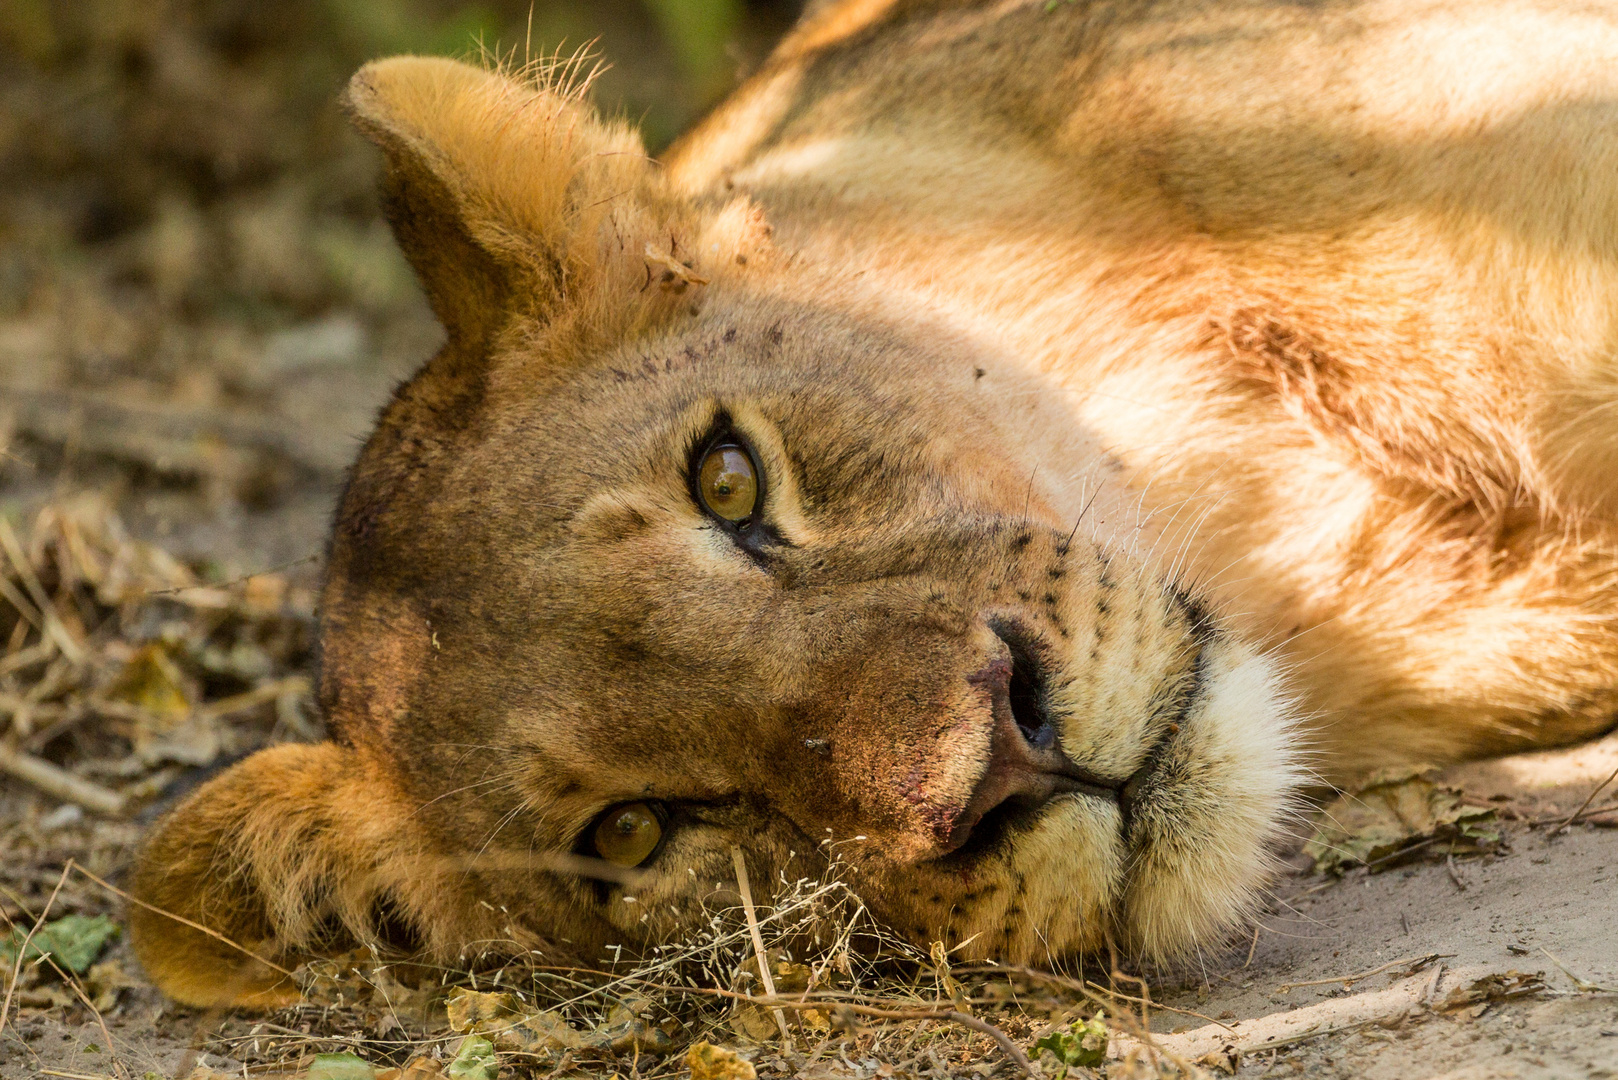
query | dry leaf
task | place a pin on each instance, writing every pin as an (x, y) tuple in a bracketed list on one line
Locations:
[(1395, 814), (1492, 988), (709, 1062)]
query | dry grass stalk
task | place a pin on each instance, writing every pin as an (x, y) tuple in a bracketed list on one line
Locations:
[(740, 861), (22, 950), (1588, 799)]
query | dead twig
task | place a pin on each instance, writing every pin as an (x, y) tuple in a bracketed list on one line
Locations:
[(59, 782), (270, 691), (1588, 799), (1416, 963), (26, 658), (1583, 815)]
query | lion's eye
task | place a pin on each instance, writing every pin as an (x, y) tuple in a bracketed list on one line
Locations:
[(727, 483), (627, 834)]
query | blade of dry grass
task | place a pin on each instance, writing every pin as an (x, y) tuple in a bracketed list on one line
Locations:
[(1588, 799), (216, 935), (746, 888), (22, 950), (1416, 964), (54, 627)]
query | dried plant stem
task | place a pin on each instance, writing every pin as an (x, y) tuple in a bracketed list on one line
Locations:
[(1416, 963), (1093, 992), (1588, 799), (216, 935), (1012, 1050), (954, 1016), (22, 950), (53, 627), (1582, 815), (59, 782), (25, 610), (66, 977), (746, 888), (1585, 985)]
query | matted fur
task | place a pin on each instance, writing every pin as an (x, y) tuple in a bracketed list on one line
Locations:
[(1247, 365)]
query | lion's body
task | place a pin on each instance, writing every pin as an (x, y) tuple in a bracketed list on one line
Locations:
[(1201, 365), (1334, 283)]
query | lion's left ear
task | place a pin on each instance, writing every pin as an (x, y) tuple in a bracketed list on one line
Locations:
[(508, 197)]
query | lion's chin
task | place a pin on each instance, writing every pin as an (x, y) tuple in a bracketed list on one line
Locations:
[(1205, 831)]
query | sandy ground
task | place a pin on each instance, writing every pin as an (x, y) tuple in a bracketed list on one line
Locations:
[(1543, 897)]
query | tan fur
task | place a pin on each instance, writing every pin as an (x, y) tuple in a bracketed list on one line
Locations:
[(1248, 361)]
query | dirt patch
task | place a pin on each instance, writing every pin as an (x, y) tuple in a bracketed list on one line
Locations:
[(1539, 905)]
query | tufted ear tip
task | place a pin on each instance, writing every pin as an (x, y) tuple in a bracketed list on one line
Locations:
[(396, 97), (497, 187)]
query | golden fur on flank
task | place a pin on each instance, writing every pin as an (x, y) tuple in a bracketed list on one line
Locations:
[(1140, 398)]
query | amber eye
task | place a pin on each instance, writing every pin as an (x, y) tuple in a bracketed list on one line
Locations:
[(627, 834), (727, 483)]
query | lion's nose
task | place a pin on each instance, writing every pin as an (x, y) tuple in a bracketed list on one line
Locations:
[(1026, 767)]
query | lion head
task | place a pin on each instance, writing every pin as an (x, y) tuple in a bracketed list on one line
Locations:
[(669, 551)]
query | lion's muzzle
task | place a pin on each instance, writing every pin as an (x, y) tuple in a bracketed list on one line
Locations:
[(1026, 767)]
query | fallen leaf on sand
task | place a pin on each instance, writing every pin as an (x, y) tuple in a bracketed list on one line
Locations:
[(1395, 814), (1492, 988), (709, 1062), (1227, 1059), (73, 941)]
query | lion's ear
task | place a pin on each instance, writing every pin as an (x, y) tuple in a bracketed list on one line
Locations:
[(503, 195)]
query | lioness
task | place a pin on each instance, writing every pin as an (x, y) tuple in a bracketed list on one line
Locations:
[(1008, 444)]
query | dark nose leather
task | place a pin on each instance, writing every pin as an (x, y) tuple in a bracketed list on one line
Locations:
[(1026, 768)]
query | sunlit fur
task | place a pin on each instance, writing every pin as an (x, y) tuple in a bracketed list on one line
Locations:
[(1253, 358)]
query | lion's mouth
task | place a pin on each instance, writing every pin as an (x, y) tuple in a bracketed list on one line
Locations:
[(1027, 768)]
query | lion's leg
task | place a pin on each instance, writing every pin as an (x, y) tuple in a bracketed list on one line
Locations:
[(286, 853)]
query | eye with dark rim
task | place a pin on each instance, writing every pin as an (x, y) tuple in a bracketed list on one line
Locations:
[(627, 834), (726, 480), (727, 483)]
